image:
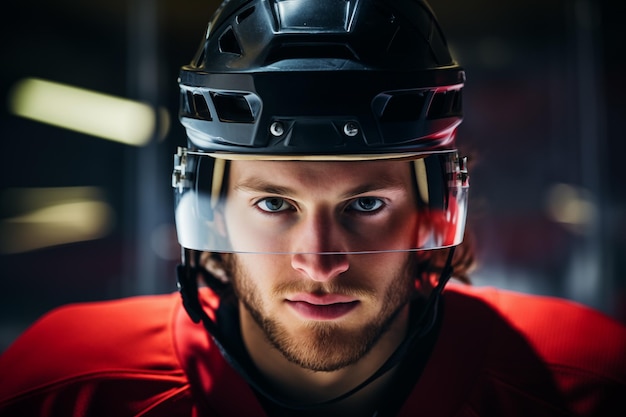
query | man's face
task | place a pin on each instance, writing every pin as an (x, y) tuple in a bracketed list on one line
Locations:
[(319, 303)]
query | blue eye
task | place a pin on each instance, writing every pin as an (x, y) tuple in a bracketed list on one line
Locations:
[(273, 204), (366, 204)]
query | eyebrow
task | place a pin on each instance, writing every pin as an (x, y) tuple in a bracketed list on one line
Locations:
[(258, 185)]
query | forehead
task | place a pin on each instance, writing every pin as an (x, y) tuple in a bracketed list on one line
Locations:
[(321, 174)]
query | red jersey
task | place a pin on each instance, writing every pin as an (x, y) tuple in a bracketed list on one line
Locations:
[(498, 353)]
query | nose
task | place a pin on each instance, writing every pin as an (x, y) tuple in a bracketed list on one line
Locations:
[(320, 267), (317, 253)]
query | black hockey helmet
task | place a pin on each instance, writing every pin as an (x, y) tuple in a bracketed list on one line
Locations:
[(323, 77), (321, 80)]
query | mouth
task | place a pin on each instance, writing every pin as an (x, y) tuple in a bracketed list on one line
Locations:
[(322, 307)]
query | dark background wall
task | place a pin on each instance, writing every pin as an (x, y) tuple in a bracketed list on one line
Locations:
[(544, 105)]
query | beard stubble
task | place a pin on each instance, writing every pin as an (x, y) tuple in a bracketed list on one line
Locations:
[(324, 346)]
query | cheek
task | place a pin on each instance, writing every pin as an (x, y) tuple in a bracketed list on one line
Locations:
[(383, 270), (397, 232), (259, 274)]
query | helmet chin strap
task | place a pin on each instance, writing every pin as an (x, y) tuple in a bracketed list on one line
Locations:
[(187, 274)]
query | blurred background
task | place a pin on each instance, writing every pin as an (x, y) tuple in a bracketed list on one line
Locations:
[(89, 126)]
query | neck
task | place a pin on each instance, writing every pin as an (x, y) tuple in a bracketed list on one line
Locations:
[(305, 386)]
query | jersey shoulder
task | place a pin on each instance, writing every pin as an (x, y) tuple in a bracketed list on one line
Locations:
[(563, 332), (505, 353), (112, 344)]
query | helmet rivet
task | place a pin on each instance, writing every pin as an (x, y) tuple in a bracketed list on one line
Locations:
[(277, 129), (351, 129)]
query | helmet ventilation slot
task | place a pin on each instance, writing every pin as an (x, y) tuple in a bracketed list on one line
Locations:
[(228, 42), (233, 108), (404, 107), (445, 104), (194, 105), (309, 51), (244, 15)]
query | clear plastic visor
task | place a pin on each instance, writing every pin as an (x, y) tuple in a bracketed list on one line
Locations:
[(367, 204)]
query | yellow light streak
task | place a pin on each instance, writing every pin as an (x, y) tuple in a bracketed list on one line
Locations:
[(53, 216), (93, 113), (572, 207)]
